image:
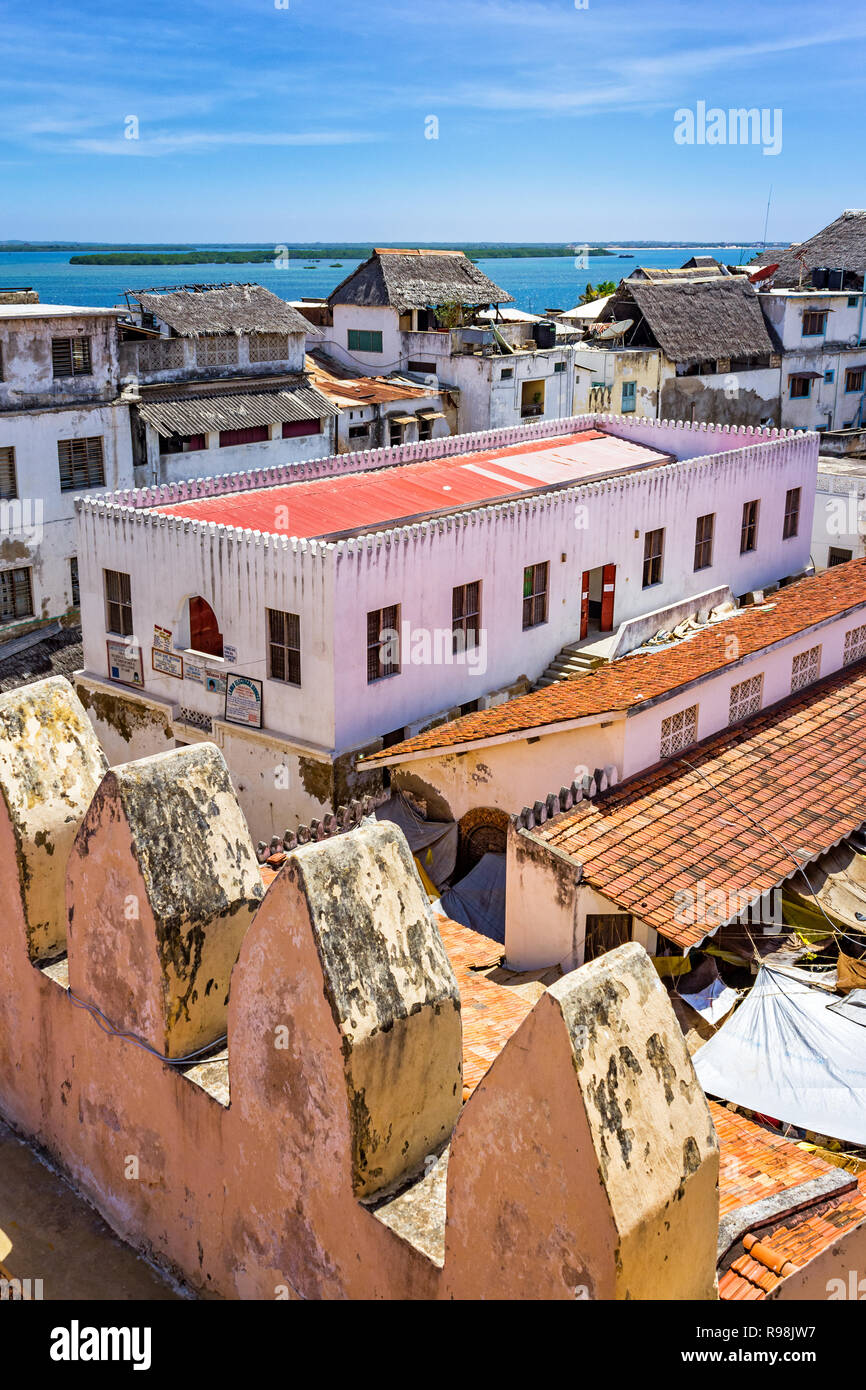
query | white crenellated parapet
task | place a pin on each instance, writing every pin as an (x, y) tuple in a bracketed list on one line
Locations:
[(141, 503)]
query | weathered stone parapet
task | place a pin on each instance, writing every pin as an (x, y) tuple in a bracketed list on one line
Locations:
[(162, 885), (50, 766), (603, 1147), (327, 1156)]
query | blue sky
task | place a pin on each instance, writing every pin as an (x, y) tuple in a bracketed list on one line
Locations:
[(308, 122)]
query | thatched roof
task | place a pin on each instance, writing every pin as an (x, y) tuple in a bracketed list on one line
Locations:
[(840, 246), (407, 280), (224, 309), (699, 321)]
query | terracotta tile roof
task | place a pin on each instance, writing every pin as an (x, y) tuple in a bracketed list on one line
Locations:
[(490, 1012), (796, 771), (633, 680), (754, 1163)]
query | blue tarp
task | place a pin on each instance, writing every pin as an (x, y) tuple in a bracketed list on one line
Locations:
[(478, 900)]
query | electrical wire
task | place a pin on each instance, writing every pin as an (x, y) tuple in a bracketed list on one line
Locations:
[(110, 1029)]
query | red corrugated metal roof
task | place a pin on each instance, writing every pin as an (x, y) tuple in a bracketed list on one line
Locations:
[(357, 502)]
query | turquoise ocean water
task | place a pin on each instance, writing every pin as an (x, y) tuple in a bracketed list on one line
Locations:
[(536, 284)]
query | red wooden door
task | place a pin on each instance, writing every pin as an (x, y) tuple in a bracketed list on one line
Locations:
[(608, 584), (584, 604)]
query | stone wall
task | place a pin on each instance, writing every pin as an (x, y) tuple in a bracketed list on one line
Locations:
[(324, 1152)]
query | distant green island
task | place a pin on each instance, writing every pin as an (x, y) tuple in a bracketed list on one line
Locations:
[(174, 258), (20, 246), (148, 256)]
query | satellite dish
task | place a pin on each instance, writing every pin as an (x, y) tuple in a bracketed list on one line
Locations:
[(616, 330)]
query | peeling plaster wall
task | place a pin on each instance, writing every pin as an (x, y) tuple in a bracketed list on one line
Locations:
[(28, 373), (46, 538), (733, 398), (515, 774), (612, 366)]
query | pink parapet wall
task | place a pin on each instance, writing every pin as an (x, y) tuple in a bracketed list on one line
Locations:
[(330, 1155)]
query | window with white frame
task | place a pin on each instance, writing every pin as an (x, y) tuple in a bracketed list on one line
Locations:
[(679, 731), (745, 699), (855, 645), (805, 668)]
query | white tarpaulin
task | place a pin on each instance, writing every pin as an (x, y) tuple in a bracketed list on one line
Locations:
[(704, 990), (714, 1002), (788, 1054)]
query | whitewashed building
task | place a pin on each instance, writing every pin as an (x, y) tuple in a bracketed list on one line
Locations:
[(216, 380), (64, 431), (428, 313), (688, 344), (812, 296), (304, 614), (839, 524)]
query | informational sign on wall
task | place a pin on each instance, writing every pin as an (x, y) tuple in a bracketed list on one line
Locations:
[(230, 653), (125, 663), (162, 638), (215, 682), (191, 672), (167, 662), (244, 701)]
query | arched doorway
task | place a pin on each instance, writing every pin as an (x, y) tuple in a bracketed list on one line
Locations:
[(482, 831), (204, 632)]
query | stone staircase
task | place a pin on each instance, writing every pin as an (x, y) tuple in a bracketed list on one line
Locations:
[(573, 660)]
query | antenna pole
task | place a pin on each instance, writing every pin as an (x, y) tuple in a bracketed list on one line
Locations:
[(767, 219)]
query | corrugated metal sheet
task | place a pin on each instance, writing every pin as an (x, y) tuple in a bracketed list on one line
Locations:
[(359, 502), (186, 415)]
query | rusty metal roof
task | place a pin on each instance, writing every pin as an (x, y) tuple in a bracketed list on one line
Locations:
[(354, 503)]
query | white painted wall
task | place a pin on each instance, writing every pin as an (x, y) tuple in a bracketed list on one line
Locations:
[(840, 511), (376, 319), (236, 458), (332, 588), (48, 545), (28, 374), (490, 400), (839, 348), (509, 776)]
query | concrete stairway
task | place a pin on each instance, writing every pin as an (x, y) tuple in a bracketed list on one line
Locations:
[(573, 660)]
